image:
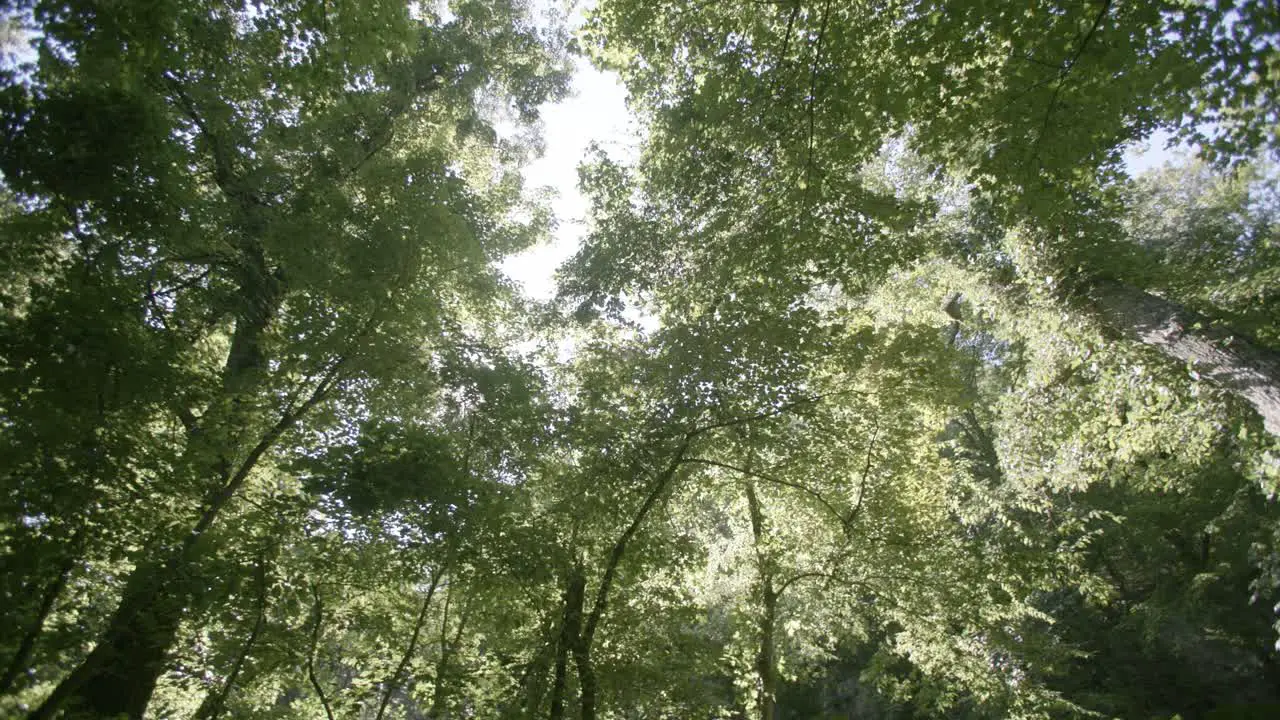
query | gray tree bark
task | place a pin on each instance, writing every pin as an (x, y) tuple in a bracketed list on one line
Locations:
[(1232, 362)]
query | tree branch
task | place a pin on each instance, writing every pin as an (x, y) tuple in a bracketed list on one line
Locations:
[(862, 487), (287, 420), (1066, 70), (769, 479), (393, 682), (620, 547), (774, 412), (318, 610), (813, 96), (223, 172), (216, 701)]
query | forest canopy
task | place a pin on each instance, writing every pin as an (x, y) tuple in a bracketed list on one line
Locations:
[(880, 387)]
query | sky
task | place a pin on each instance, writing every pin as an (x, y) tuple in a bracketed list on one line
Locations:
[(1154, 153), (595, 111)]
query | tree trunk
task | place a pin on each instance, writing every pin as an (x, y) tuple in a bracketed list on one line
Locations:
[(119, 675), (442, 663), (586, 681), (570, 636), (766, 666), (1250, 372)]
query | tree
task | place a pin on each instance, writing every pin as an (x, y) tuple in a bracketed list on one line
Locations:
[(170, 160), (275, 440), (763, 115), (689, 241)]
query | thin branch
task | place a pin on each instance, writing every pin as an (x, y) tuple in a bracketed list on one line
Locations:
[(1097, 20), (223, 173), (786, 38), (1067, 67), (22, 656), (1026, 91), (769, 479), (318, 609), (866, 471), (813, 96), (217, 701), (802, 576), (1033, 60), (287, 420), (372, 147), (183, 285), (620, 547), (447, 649), (774, 412), (393, 682), (786, 45)]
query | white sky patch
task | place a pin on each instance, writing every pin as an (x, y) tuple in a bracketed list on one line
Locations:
[(596, 111), (1153, 153)]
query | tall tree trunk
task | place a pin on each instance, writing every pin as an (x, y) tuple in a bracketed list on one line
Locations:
[(766, 665), (586, 680), (1248, 371), (570, 636), (120, 674)]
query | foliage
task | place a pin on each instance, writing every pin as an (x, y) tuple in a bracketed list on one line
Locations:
[(277, 439)]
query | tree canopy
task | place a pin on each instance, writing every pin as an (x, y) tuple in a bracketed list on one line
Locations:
[(936, 411)]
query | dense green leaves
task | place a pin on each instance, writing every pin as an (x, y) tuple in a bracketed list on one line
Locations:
[(877, 388)]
